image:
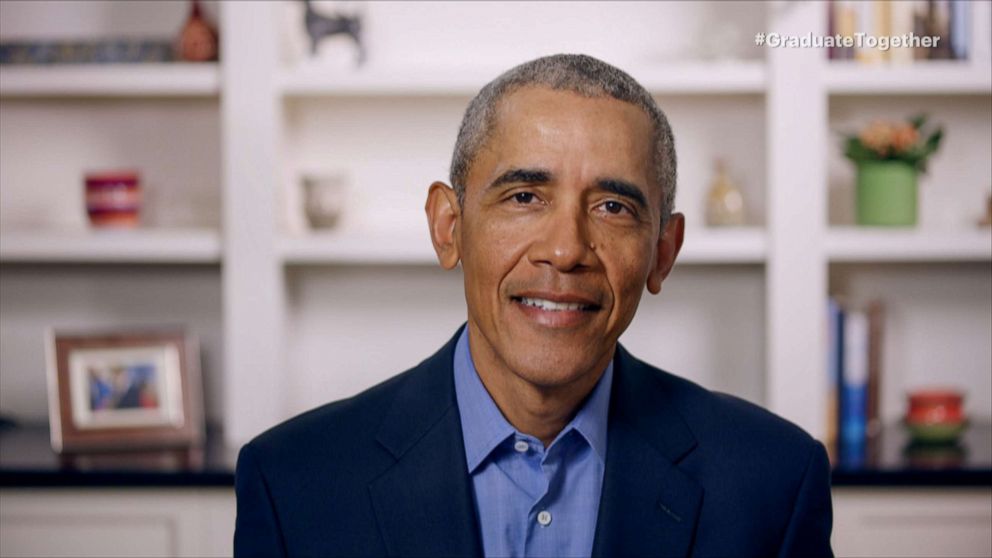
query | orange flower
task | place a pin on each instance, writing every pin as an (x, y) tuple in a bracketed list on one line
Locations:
[(878, 137), (903, 138)]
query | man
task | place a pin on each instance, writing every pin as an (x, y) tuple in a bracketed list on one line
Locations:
[(533, 432)]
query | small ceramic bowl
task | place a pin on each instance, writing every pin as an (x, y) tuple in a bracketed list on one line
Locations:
[(113, 199), (935, 415), (930, 406)]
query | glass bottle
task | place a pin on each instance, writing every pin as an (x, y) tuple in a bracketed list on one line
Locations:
[(724, 201)]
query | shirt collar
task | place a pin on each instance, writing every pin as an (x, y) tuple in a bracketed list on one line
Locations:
[(484, 427)]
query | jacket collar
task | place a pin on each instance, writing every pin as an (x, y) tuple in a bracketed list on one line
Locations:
[(424, 503), (649, 506)]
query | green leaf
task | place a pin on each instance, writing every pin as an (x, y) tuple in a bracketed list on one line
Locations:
[(933, 142), (856, 151), (918, 121)]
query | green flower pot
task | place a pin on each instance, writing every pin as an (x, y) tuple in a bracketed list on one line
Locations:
[(886, 194)]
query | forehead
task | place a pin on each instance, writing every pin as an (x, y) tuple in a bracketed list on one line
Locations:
[(531, 106), (541, 127)]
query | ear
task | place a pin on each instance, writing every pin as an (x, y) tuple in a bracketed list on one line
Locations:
[(443, 219), (669, 244)]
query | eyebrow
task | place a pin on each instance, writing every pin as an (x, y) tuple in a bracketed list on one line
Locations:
[(517, 176)]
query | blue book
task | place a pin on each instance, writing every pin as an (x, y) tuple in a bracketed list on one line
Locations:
[(960, 21), (854, 390)]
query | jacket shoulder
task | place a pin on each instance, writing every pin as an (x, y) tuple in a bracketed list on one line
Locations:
[(729, 421)]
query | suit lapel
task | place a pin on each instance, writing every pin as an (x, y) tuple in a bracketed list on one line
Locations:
[(424, 503), (649, 507)]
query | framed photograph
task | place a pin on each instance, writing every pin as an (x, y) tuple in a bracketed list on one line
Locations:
[(124, 390)]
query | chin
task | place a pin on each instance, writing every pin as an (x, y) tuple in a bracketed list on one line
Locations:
[(549, 368)]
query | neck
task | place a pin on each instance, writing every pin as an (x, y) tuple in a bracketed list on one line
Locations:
[(540, 411)]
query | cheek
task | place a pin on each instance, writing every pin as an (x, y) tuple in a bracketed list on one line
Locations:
[(627, 268), (492, 252)]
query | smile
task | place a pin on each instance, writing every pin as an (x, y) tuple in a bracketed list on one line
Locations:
[(553, 306)]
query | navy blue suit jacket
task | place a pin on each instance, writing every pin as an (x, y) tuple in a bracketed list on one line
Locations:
[(688, 472)]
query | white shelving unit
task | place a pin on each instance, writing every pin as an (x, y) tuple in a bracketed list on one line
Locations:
[(390, 125), (291, 318), (112, 80), (150, 246), (58, 122)]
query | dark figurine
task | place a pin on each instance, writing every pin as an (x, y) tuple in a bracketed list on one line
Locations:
[(319, 26)]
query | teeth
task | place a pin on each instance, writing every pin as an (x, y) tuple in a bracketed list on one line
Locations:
[(552, 305)]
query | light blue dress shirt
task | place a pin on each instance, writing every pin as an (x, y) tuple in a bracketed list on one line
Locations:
[(532, 500)]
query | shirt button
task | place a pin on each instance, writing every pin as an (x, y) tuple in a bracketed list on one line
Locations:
[(544, 518), (521, 446)]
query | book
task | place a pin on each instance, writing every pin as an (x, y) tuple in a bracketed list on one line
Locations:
[(901, 26), (866, 22), (960, 22), (834, 347), (876, 317), (854, 380), (940, 21), (846, 20), (881, 20), (921, 27)]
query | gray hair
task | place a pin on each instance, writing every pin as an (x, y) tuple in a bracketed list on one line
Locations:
[(577, 73)]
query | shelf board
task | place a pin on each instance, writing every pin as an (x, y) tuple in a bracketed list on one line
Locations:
[(153, 246), (731, 246), (354, 248), (734, 245), (922, 78), (111, 80), (716, 78), (858, 244), (689, 78)]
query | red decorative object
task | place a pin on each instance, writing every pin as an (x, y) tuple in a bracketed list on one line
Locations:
[(198, 38), (935, 406), (113, 199)]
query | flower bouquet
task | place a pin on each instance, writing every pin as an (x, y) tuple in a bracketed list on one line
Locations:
[(888, 156)]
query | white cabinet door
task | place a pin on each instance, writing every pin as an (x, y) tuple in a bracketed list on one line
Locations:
[(912, 522), (116, 522)]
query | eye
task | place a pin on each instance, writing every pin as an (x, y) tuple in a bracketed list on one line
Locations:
[(614, 207), (523, 198)]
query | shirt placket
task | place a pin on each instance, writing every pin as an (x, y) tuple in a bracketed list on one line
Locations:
[(541, 516)]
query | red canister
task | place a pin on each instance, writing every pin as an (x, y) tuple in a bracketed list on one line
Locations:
[(113, 199)]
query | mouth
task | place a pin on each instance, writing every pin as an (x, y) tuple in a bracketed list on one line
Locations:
[(554, 305), (556, 311)]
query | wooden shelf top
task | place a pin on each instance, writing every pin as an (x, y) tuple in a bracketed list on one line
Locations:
[(111, 80), (153, 246)]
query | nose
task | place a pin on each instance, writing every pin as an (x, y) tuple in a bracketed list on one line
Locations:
[(564, 241)]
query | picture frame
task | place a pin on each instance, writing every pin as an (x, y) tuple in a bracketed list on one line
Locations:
[(115, 390)]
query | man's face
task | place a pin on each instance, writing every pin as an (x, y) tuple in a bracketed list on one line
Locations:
[(559, 233)]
